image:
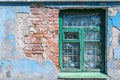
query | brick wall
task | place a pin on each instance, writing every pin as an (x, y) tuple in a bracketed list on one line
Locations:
[(42, 41)]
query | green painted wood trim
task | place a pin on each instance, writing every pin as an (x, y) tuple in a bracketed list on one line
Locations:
[(60, 40), (81, 38), (82, 50), (103, 42), (82, 75)]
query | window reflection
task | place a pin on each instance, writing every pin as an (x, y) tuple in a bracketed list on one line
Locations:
[(81, 20), (92, 56), (92, 35), (71, 55)]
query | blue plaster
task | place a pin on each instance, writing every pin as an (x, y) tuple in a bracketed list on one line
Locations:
[(27, 66), (110, 64), (116, 20), (11, 41), (110, 21), (8, 16), (15, 53), (23, 9), (11, 37), (2, 28), (117, 53), (10, 12), (110, 24), (118, 7), (4, 63)]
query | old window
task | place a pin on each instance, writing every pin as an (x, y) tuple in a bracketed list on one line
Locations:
[(82, 41)]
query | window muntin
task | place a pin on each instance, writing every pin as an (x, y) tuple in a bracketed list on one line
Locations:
[(90, 29), (92, 35), (81, 20), (92, 56), (71, 53), (71, 35), (92, 50)]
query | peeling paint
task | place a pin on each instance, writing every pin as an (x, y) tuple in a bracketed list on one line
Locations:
[(117, 53), (109, 28), (116, 20), (28, 67), (14, 24), (112, 11), (7, 20)]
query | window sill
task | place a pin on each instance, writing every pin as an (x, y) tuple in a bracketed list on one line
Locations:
[(82, 75)]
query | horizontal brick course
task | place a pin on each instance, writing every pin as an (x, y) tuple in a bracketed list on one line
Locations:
[(43, 35)]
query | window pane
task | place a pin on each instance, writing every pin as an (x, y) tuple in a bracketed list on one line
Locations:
[(71, 55), (81, 20), (71, 35), (92, 56), (92, 35)]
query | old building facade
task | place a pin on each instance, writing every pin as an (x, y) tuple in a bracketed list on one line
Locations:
[(33, 35)]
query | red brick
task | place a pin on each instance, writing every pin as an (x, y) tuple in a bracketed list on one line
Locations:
[(28, 39), (56, 64), (36, 41), (32, 40), (37, 52), (32, 52), (28, 51), (37, 49), (38, 35), (34, 9), (32, 45), (45, 20), (28, 55)]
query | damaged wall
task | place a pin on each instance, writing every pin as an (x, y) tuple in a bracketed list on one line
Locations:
[(113, 55), (14, 64), (29, 40)]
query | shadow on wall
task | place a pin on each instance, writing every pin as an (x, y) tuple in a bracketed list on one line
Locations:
[(119, 38)]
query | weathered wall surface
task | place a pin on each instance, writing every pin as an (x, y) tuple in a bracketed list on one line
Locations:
[(15, 27), (113, 54), (29, 40), (42, 40)]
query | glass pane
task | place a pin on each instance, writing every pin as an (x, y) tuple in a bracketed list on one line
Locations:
[(71, 35), (92, 35), (92, 56), (81, 20), (71, 55)]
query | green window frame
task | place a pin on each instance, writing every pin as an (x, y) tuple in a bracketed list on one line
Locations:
[(78, 34)]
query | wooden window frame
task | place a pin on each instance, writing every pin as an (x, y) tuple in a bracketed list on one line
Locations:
[(81, 40)]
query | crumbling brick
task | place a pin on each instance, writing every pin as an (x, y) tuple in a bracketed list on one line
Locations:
[(45, 37)]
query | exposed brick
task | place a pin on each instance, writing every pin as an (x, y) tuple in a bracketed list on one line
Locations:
[(33, 52), (28, 51), (37, 49), (32, 45), (28, 55), (45, 22), (32, 40), (27, 48), (38, 35), (37, 52)]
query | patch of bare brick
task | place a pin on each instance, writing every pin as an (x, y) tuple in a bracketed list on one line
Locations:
[(43, 34)]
